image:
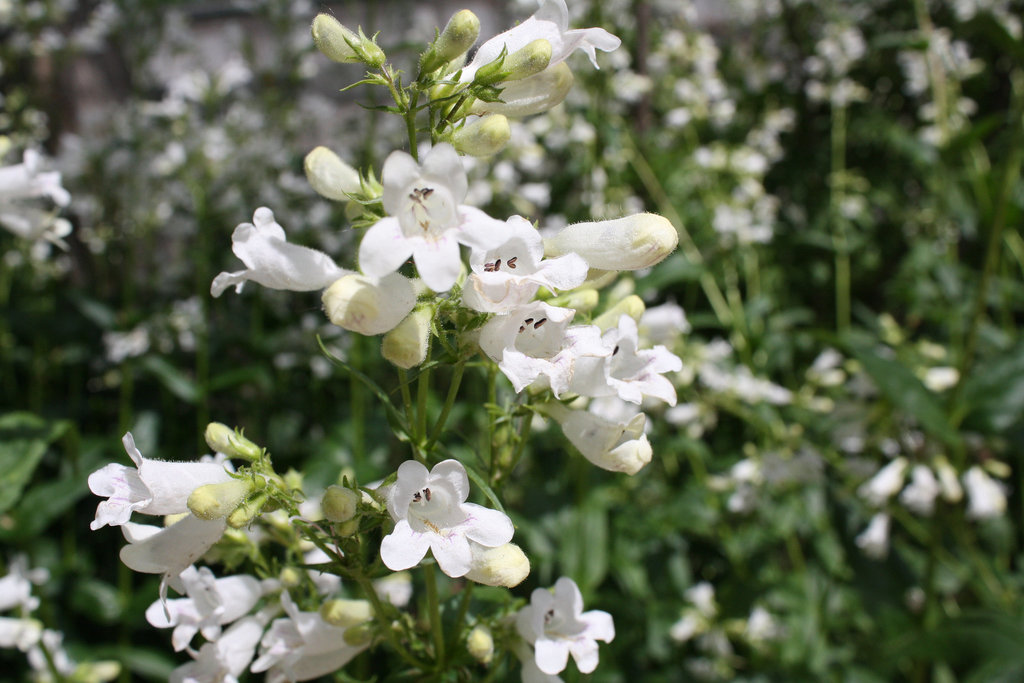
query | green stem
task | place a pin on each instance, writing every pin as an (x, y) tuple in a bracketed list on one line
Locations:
[(380, 611), (430, 577), (422, 395), (464, 601), (449, 402), (840, 239), (410, 417)]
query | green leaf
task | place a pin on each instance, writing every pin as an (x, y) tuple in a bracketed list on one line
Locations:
[(994, 392), (477, 479), (41, 504), (903, 389), (173, 379), (24, 438)]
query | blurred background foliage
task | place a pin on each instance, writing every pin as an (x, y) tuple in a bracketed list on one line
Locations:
[(846, 181)]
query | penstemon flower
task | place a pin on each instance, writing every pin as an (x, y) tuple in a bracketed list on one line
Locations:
[(426, 219), (614, 445), (510, 274), (226, 658), (556, 625), (169, 550), (431, 513)]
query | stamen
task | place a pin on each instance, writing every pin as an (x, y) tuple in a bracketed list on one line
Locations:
[(512, 262), (522, 328), (528, 321), (416, 497), (426, 492), (540, 322), (616, 350), (497, 264)]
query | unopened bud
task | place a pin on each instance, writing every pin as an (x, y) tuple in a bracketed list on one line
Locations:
[(369, 305), (506, 565), (483, 137), (346, 529), (230, 442), (340, 44), (480, 644), (531, 95), (358, 635), (580, 300), (527, 61), (458, 36), (406, 346), (632, 305), (214, 501), (247, 511), (339, 504), (629, 243), (290, 577), (330, 176), (346, 613)]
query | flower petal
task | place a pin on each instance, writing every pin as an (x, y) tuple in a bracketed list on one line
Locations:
[(403, 548), (438, 262), (551, 655), (384, 248), (486, 526)]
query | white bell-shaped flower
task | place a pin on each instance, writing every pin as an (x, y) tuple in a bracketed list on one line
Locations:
[(431, 513), (225, 659), (986, 498), (613, 445), (885, 484), (874, 540), (920, 494), (154, 487), (426, 219), (171, 549), (273, 262), (556, 625), (510, 274)]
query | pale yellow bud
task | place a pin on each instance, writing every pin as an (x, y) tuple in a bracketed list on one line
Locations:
[(629, 243), (346, 529), (485, 136), (223, 439), (527, 61), (96, 672), (506, 565), (290, 577), (369, 306), (406, 346), (580, 300), (340, 44), (531, 95), (339, 504), (632, 305), (330, 176), (247, 511), (346, 613), (358, 635), (214, 501), (458, 36), (480, 644)]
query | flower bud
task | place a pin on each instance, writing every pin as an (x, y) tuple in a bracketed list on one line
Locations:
[(346, 529), (230, 442), (480, 644), (406, 346), (290, 577), (506, 565), (458, 36), (247, 511), (580, 300), (330, 176), (214, 501), (483, 137), (358, 635), (346, 613), (632, 305), (369, 305), (531, 95), (339, 504), (340, 44), (629, 243), (527, 61)]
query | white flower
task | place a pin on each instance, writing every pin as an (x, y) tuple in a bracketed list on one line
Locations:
[(535, 341), (426, 219), (761, 625), (550, 23), (986, 497), (303, 646), (169, 550), (702, 595), (663, 324), (628, 243), (226, 658), (396, 588), (16, 585), (369, 305), (155, 487), (556, 626), (272, 261), (920, 495), (627, 371), (211, 603), (430, 513), (885, 484), (20, 633), (874, 540), (511, 273), (25, 181), (613, 445)]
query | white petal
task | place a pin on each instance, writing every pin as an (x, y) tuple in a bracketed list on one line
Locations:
[(599, 625), (384, 248), (443, 165), (454, 472), (174, 548), (584, 651), (400, 170), (452, 552), (488, 527), (403, 548), (438, 262), (551, 655)]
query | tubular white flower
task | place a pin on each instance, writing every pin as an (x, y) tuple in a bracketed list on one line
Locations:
[(430, 513), (613, 445), (532, 95), (510, 274), (920, 494), (16, 585), (303, 646), (534, 342), (369, 305), (874, 540), (426, 219), (20, 633), (27, 181), (556, 626), (629, 243), (986, 498), (153, 488), (550, 23), (330, 176), (226, 658), (171, 549), (885, 484), (505, 565), (211, 603), (273, 262)]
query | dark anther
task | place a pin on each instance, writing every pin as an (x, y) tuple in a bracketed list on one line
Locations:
[(426, 492), (540, 322), (512, 262), (616, 350)]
